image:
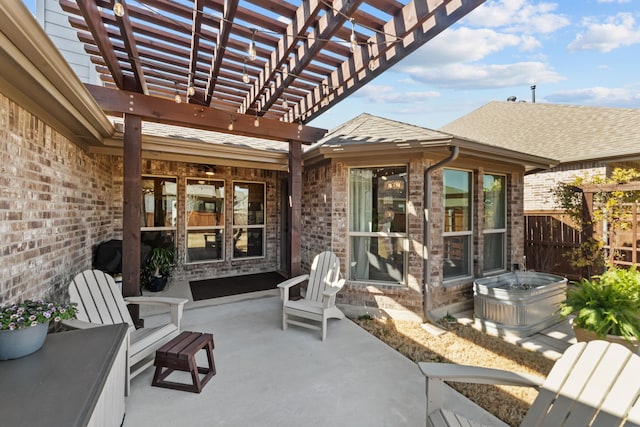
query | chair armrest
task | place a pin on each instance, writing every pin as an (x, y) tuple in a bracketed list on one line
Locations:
[(287, 284), (437, 373), (477, 375), (331, 291), (176, 305), (293, 281), (155, 300)]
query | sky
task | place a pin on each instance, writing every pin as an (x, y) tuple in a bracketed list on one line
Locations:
[(580, 52)]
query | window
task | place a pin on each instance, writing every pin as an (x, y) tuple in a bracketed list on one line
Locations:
[(495, 229), (378, 224), (457, 223), (248, 219), (205, 220), (159, 215)]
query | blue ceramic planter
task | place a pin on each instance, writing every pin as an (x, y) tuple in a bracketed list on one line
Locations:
[(22, 342)]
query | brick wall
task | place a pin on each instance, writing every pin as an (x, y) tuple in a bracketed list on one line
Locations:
[(538, 187), (316, 214), (409, 297), (56, 204), (333, 181)]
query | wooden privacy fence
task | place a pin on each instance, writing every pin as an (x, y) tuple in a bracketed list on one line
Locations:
[(549, 238)]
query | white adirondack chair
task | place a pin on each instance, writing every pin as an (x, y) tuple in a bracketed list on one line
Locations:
[(319, 302), (592, 384), (100, 302)]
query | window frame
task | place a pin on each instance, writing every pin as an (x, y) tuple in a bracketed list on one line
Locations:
[(468, 234), (402, 236), (173, 230), (494, 231), (262, 226), (219, 227)]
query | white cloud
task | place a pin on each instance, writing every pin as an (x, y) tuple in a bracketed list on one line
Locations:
[(616, 31), (518, 16), (598, 96), (614, 1), (464, 44), (476, 76), (390, 95)]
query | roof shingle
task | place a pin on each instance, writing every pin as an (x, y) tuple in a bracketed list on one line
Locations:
[(568, 133)]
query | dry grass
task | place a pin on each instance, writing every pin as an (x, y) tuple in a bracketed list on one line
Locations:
[(465, 345)]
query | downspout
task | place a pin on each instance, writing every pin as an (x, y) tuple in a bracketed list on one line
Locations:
[(427, 242)]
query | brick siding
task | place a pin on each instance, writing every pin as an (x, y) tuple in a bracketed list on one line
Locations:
[(56, 204)]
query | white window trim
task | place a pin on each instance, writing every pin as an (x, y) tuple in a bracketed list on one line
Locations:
[(263, 226), (204, 228), (456, 279), (404, 236)]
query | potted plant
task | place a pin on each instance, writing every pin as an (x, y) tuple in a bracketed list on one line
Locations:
[(24, 325), (158, 268), (606, 307)]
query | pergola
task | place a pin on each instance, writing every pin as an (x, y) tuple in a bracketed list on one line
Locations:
[(259, 68)]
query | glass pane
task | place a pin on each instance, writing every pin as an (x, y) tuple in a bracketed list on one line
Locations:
[(456, 256), (494, 201), (204, 245), (377, 258), (457, 200), (248, 203), (248, 242), (205, 203), (155, 239), (494, 252), (377, 199), (158, 202)]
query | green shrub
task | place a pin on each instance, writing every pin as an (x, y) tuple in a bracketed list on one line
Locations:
[(608, 304)]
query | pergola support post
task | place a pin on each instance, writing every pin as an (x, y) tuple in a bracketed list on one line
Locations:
[(131, 210), (295, 207)]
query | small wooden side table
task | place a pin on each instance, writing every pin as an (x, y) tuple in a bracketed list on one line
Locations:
[(179, 354)]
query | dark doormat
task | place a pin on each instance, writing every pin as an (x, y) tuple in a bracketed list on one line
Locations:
[(225, 286)]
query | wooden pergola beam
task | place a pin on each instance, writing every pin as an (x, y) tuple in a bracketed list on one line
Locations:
[(162, 110), (228, 14), (417, 23), (94, 21)]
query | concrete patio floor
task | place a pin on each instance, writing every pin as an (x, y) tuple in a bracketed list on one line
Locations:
[(270, 377)]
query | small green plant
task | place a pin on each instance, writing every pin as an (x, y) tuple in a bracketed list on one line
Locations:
[(608, 304), (160, 263), (448, 318)]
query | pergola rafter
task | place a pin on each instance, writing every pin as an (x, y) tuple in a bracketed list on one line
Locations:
[(305, 58)]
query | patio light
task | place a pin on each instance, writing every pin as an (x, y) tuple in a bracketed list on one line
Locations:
[(177, 98), (252, 46), (118, 8), (354, 41), (245, 75)]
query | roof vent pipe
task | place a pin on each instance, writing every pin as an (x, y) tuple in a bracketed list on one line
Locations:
[(533, 94), (454, 151)]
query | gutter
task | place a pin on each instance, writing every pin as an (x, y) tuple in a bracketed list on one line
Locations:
[(455, 151)]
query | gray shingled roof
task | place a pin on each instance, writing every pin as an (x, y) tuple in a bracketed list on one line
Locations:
[(369, 129), (210, 137), (568, 133)]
